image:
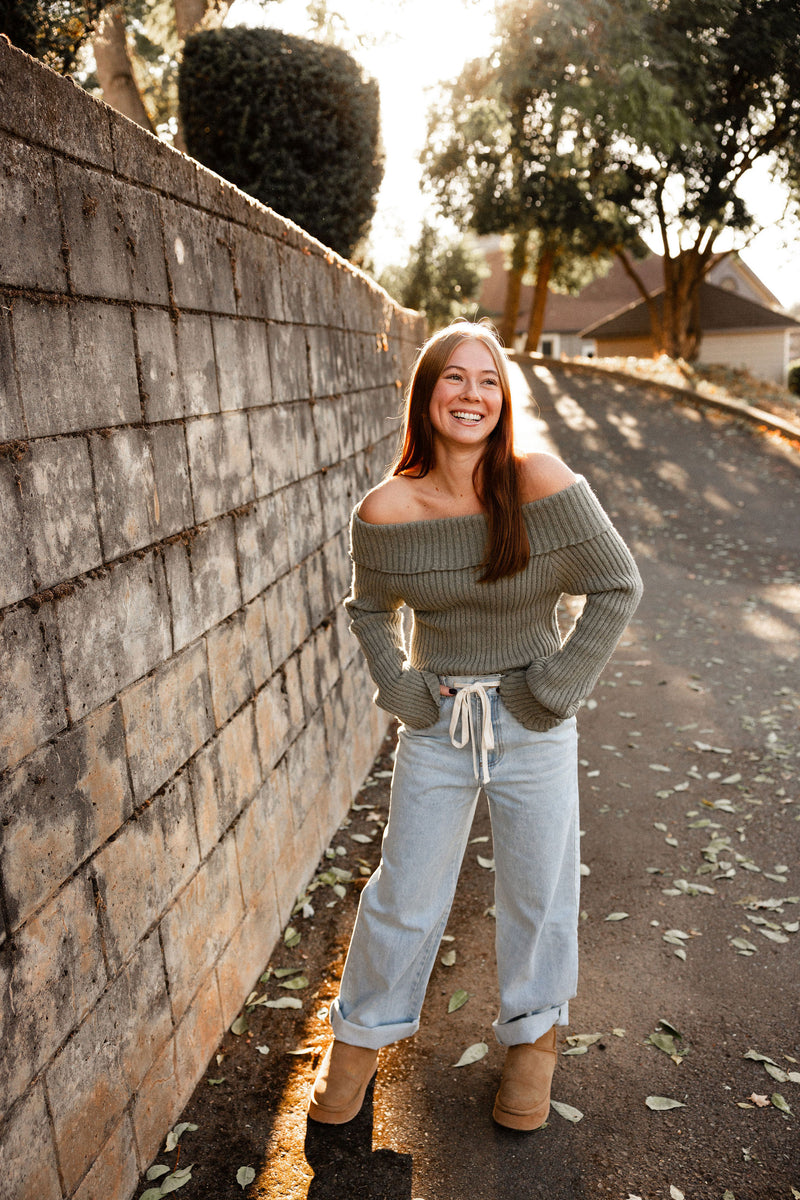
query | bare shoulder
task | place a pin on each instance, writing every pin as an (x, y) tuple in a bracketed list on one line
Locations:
[(391, 502), (542, 475)]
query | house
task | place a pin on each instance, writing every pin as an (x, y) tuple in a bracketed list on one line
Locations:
[(737, 332), (761, 343)]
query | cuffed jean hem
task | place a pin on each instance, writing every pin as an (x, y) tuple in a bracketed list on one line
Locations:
[(530, 1028), (370, 1039)]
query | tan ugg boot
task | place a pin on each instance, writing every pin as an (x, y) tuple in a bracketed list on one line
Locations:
[(341, 1082), (523, 1100)]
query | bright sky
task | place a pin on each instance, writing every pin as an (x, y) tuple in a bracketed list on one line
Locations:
[(420, 43)]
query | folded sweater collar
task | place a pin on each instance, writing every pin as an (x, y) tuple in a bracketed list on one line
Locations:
[(564, 518)]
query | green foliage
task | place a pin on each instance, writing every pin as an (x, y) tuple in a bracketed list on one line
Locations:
[(290, 121), (51, 30), (441, 278), (793, 378)]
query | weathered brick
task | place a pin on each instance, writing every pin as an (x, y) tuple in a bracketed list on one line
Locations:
[(305, 438), (327, 423), (338, 565), (257, 843), (220, 464), (198, 1035), (161, 381), (240, 348), (114, 237), (203, 581), (294, 270), (309, 675), (309, 768), (27, 1151), (115, 1171), (30, 232), (242, 961), (228, 667), (196, 364), (261, 544), (305, 519), (87, 378), (200, 923), (256, 643), (293, 687), (31, 699), (12, 422), (51, 972), (91, 1080), (347, 644), (140, 872), (225, 776), (288, 356), (299, 854), (38, 101), (55, 480), (15, 572), (167, 718), (340, 496), (287, 615), (274, 451), (322, 364), (58, 806), (257, 275), (145, 159), (198, 259), (114, 629), (317, 587), (142, 480), (272, 722), (159, 1100)]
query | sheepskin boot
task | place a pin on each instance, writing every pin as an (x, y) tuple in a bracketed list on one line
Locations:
[(523, 1100), (342, 1080)]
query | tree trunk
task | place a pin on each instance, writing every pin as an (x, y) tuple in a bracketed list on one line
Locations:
[(519, 257), (544, 269), (188, 15), (683, 276), (114, 70)]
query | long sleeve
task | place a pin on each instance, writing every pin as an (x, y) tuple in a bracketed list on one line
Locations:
[(551, 689), (374, 610)]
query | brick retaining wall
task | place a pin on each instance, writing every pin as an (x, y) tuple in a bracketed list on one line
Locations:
[(193, 394)]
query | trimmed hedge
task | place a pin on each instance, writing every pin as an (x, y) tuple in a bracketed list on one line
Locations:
[(793, 379), (290, 121)]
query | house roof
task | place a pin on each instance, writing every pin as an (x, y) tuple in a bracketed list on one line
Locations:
[(719, 310)]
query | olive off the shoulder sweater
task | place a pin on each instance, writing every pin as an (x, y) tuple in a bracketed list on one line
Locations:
[(509, 627)]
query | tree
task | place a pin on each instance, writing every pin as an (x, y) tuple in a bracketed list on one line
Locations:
[(441, 278), (508, 153), (686, 96), (51, 30), (290, 121)]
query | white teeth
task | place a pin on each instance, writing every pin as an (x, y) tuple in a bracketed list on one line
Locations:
[(468, 416)]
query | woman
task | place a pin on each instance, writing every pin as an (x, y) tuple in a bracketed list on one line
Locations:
[(480, 544)]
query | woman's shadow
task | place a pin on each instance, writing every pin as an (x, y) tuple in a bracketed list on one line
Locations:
[(344, 1163)]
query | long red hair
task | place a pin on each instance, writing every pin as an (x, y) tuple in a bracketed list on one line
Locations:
[(495, 477)]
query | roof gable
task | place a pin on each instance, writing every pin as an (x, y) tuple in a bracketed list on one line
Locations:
[(719, 310)]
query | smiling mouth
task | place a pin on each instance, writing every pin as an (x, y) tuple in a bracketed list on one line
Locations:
[(467, 418)]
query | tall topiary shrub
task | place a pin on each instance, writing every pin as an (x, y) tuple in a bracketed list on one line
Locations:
[(290, 121)]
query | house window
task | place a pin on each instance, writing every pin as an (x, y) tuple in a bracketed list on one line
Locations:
[(546, 346)]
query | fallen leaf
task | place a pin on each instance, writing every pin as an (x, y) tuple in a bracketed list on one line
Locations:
[(176, 1180), (262, 1049), (472, 1054), (617, 916), (675, 1193), (175, 1134), (759, 1101), (662, 1103), (284, 1002), (245, 1176), (157, 1171), (663, 1041), (240, 1025), (295, 983), (777, 1073), (567, 1111), (448, 959), (754, 1056), (362, 838), (779, 1102), (291, 937), (457, 1000), (620, 1033), (487, 863), (284, 973), (584, 1039)]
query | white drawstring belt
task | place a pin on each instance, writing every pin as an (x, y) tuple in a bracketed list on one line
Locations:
[(462, 711)]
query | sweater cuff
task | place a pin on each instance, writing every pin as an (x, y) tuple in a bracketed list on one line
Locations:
[(516, 693), (413, 697)]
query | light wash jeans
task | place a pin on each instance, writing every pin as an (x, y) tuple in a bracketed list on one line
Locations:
[(403, 911)]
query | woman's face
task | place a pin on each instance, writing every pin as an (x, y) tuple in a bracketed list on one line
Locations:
[(467, 398)]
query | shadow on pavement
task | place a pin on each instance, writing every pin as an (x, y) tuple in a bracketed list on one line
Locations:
[(344, 1163)]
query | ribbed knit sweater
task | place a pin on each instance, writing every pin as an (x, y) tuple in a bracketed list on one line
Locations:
[(509, 627)]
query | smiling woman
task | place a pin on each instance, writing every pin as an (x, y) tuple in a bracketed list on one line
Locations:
[(480, 544)]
